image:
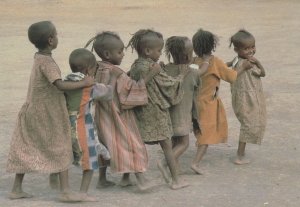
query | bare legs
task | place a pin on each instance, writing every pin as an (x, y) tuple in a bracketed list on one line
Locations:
[(166, 146), (201, 150), (180, 144), (17, 191), (66, 194), (85, 183), (102, 180), (241, 159), (54, 181)]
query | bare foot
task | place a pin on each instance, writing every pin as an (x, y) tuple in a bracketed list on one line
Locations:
[(164, 171), (19, 195), (87, 198), (196, 169), (104, 184), (178, 185), (146, 186), (241, 160), (54, 181), (125, 182), (70, 197)]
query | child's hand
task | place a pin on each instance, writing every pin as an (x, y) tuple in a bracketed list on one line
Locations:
[(162, 64), (88, 81), (116, 71), (246, 65), (155, 68), (253, 60)]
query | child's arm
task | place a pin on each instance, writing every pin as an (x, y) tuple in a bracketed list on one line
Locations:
[(154, 70), (70, 85), (246, 65), (259, 65)]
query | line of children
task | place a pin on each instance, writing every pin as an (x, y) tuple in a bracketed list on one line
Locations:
[(151, 106)]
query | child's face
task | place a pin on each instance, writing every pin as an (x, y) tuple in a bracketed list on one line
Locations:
[(53, 40), (155, 51), (116, 53), (246, 49)]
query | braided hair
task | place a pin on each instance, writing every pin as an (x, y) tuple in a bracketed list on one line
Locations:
[(100, 43), (175, 47), (238, 37), (139, 39), (204, 42)]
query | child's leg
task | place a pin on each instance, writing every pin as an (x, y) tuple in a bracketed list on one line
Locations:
[(102, 180), (125, 181), (17, 191), (179, 147), (54, 181), (85, 183), (143, 183), (166, 146), (66, 194), (240, 159), (201, 150)]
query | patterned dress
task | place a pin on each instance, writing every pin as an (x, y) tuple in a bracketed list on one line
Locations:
[(41, 141), (248, 103), (154, 119), (116, 123), (182, 113), (212, 116), (85, 143)]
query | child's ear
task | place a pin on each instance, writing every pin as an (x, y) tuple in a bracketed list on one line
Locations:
[(50, 40), (147, 51), (106, 54)]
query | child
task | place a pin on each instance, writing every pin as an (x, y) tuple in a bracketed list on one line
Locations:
[(80, 107), (212, 115), (163, 91), (41, 141), (181, 50), (248, 99), (115, 119)]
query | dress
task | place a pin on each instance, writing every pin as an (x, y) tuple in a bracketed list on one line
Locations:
[(116, 123), (181, 113), (248, 103), (85, 143), (212, 116), (154, 119), (41, 141)]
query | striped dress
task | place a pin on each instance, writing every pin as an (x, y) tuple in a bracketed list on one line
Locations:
[(85, 143), (116, 121)]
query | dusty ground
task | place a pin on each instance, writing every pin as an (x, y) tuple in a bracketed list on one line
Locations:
[(273, 177)]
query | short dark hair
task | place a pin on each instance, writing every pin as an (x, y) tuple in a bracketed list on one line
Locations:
[(39, 33), (138, 40), (175, 47), (100, 43), (81, 58), (238, 37), (204, 42)]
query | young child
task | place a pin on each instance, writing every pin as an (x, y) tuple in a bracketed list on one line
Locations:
[(41, 141), (248, 99), (212, 117), (181, 50), (163, 91), (115, 119), (86, 146)]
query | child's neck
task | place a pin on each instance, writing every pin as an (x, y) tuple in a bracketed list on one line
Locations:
[(46, 51), (144, 57)]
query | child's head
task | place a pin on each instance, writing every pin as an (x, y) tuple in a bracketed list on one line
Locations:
[(84, 61), (109, 47), (180, 48), (43, 35), (243, 43), (147, 43), (204, 42)]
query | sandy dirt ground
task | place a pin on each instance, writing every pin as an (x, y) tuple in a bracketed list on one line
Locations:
[(272, 179)]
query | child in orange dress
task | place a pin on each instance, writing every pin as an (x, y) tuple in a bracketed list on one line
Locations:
[(41, 141), (248, 99), (211, 112), (183, 114)]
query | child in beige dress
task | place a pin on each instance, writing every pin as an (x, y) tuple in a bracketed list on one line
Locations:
[(248, 99), (41, 141)]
